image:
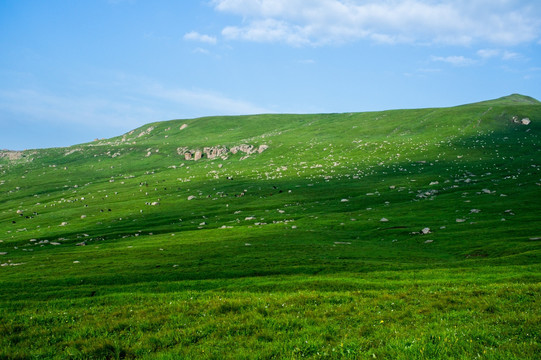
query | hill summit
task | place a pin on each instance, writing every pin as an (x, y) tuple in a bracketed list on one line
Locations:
[(513, 99)]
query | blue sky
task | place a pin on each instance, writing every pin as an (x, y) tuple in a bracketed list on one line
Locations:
[(72, 71)]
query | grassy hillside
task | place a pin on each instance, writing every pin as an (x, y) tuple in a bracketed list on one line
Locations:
[(404, 234)]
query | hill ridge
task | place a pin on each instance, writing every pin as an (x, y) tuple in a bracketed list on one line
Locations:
[(513, 99)]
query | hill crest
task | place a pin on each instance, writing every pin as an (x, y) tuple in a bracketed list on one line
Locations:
[(513, 99)]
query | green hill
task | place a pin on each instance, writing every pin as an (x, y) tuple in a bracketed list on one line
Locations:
[(513, 99), (403, 234)]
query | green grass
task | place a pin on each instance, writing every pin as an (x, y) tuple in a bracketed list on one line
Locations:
[(282, 254)]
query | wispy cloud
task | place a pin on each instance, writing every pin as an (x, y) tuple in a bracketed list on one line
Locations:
[(201, 51), (195, 36), (62, 108), (212, 102), (128, 103), (488, 53), (509, 55), (497, 53), (454, 60), (317, 22)]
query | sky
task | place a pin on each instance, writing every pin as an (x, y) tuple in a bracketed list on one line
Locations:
[(72, 71)]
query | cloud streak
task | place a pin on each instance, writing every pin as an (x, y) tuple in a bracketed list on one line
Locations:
[(130, 103), (320, 22), (195, 36), (454, 60), (496, 53)]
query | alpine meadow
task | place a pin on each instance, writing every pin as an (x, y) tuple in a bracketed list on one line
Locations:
[(402, 234)]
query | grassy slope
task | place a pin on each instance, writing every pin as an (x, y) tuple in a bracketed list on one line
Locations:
[(290, 269)]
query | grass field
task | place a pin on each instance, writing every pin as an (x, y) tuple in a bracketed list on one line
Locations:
[(404, 234)]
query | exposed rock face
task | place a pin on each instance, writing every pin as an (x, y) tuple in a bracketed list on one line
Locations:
[(247, 149), (11, 155), (214, 152), (219, 151)]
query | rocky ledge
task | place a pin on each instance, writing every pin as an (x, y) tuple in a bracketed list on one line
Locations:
[(219, 151)]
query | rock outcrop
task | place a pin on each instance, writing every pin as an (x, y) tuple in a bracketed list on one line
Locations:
[(11, 155), (220, 151)]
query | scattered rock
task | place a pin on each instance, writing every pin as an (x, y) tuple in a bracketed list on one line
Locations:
[(191, 197), (146, 132), (428, 241), (425, 231), (183, 126), (525, 121), (384, 220)]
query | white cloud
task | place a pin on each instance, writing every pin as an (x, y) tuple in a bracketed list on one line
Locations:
[(267, 30), (201, 51), (488, 53), (195, 36), (497, 53), (316, 22), (454, 60)]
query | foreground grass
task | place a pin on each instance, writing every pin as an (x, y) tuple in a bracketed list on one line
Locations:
[(423, 314)]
